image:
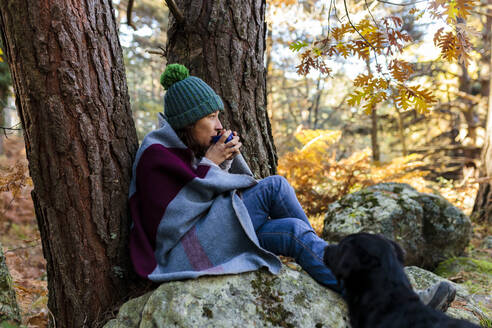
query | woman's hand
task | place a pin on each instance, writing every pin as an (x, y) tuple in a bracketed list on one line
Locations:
[(221, 151)]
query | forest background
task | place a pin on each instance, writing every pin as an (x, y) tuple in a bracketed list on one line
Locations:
[(327, 144)]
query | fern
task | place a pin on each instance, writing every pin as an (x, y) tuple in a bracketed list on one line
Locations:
[(298, 45)]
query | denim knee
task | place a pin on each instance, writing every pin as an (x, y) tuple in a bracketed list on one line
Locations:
[(277, 182), (292, 226), (295, 238)]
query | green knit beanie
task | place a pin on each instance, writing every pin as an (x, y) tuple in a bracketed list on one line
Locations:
[(187, 98)]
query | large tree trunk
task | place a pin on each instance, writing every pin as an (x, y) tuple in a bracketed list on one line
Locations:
[(482, 210), (223, 42), (69, 79)]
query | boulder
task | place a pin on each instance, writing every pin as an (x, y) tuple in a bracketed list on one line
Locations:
[(476, 274), (9, 310), (254, 299), (465, 306), (427, 226)]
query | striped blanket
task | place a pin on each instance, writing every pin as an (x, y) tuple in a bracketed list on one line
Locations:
[(188, 221)]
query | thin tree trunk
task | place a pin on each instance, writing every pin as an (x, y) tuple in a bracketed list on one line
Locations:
[(374, 126), (319, 93), (67, 69), (2, 131), (3, 104), (374, 135), (469, 113), (485, 60), (401, 132), (223, 42)]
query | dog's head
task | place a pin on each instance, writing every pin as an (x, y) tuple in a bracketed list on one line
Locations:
[(363, 252)]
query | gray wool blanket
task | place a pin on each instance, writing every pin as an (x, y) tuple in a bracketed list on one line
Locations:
[(188, 220)]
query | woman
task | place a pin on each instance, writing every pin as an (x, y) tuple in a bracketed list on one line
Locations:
[(196, 208)]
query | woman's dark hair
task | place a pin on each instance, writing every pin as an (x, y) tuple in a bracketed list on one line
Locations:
[(187, 138)]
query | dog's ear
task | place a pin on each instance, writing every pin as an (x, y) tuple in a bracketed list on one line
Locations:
[(400, 253), (329, 254), (347, 263)]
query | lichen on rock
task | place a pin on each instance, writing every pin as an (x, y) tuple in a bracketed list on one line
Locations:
[(253, 299), (464, 306), (477, 275), (257, 299), (427, 226), (9, 310)]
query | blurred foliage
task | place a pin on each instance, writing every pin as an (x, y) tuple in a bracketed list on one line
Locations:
[(14, 178), (19, 235), (142, 49), (5, 82), (320, 179)]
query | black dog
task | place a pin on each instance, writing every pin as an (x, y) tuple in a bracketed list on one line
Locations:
[(377, 290)]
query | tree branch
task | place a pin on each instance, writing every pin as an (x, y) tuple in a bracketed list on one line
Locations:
[(481, 13), (353, 26), (401, 4), (12, 128), (175, 11), (370, 13), (160, 52), (129, 10)]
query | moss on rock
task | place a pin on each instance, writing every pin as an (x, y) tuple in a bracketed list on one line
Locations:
[(454, 265), (9, 310), (427, 226)]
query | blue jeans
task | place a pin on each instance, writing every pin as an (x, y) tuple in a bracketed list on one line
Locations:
[(283, 228)]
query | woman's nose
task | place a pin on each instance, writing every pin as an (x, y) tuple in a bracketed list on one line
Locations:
[(218, 125)]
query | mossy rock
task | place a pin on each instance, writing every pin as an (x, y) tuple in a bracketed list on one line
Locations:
[(428, 227), (453, 266), (253, 299), (258, 299), (466, 305), (477, 277), (9, 310)]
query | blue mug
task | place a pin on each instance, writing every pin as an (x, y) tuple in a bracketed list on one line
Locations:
[(216, 138)]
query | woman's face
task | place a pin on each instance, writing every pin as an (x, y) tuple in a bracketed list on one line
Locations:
[(206, 128)]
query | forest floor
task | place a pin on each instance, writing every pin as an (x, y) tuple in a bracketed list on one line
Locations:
[(20, 239)]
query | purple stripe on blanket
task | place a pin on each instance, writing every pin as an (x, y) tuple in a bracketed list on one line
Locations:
[(141, 251), (195, 252), (161, 173)]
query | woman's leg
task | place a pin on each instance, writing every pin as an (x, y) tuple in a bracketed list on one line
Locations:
[(294, 238), (272, 197)]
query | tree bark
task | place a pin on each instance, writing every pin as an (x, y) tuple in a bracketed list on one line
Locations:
[(482, 209), (67, 69), (223, 42)]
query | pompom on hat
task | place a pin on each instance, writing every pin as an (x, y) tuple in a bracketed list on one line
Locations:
[(188, 98)]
